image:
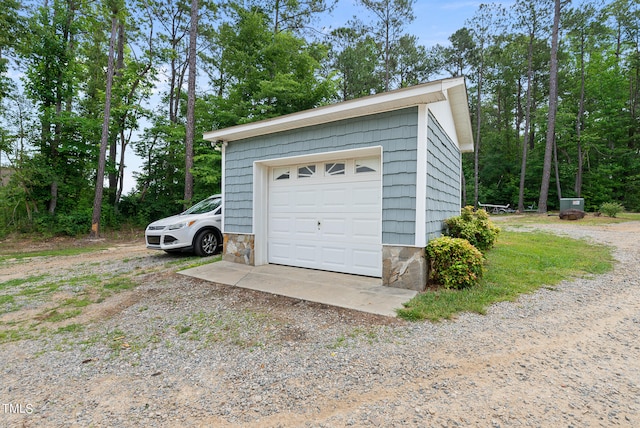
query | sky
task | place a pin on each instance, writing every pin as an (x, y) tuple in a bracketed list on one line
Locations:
[(435, 21)]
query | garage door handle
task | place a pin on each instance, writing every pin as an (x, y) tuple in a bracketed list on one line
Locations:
[(318, 224)]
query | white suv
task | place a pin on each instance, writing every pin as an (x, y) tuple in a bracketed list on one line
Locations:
[(197, 229)]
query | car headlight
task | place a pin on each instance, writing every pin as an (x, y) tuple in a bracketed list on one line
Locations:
[(181, 225)]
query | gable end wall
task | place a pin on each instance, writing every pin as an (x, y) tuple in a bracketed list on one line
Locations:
[(443, 178)]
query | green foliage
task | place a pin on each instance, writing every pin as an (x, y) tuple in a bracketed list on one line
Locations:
[(267, 73), (24, 210), (72, 224), (140, 212), (475, 227), (261, 62), (355, 57), (413, 65), (612, 209), (14, 209), (454, 262)]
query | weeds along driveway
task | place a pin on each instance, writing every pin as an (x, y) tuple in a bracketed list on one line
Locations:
[(115, 338)]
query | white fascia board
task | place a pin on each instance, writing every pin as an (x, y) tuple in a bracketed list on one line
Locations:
[(388, 101), (459, 105), (453, 116)]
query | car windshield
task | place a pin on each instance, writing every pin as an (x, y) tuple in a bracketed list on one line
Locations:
[(205, 206)]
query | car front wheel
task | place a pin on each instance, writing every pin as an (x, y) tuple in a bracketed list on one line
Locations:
[(206, 243)]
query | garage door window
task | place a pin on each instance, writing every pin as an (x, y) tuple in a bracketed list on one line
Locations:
[(281, 173), (306, 171), (367, 165), (334, 168), (304, 174)]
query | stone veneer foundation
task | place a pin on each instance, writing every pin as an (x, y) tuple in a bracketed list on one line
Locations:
[(238, 248), (404, 267)]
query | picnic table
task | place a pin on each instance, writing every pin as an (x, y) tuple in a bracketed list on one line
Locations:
[(496, 209)]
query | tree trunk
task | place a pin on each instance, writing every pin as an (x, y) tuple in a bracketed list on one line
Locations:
[(387, 48), (191, 104), (53, 194), (113, 143), (476, 168), (55, 154), (104, 140), (120, 180), (557, 170), (276, 24), (463, 181), (553, 107), (61, 98), (578, 182), (527, 122)]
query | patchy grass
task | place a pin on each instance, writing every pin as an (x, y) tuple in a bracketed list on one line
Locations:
[(355, 337), (60, 252), (71, 328), (5, 299), (13, 335), (40, 289), (188, 263), (520, 263), (78, 292), (17, 282), (87, 289), (62, 296), (55, 316), (78, 303), (246, 328), (46, 302), (118, 341), (119, 284)]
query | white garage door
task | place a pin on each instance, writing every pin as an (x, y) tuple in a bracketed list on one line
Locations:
[(327, 215)]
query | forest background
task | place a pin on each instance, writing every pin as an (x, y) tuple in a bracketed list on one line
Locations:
[(554, 93)]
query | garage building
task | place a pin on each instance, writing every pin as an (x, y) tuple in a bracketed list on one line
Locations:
[(357, 187)]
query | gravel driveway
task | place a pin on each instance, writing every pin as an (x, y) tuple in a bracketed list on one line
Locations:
[(175, 351)]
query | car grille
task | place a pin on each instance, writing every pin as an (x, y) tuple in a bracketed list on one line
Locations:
[(156, 227), (153, 240)]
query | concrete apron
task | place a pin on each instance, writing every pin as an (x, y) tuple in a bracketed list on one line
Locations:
[(360, 293)]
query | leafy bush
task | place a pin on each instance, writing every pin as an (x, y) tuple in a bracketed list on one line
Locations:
[(65, 224), (611, 209), (454, 262), (475, 227)]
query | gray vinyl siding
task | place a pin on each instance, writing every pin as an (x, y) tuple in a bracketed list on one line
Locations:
[(443, 178), (395, 131)]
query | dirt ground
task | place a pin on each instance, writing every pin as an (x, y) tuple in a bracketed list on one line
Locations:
[(567, 356)]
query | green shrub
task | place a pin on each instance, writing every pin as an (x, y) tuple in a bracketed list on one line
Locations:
[(611, 209), (475, 227), (454, 262)]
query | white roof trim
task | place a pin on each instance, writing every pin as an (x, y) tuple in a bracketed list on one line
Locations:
[(459, 104), (453, 89)]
